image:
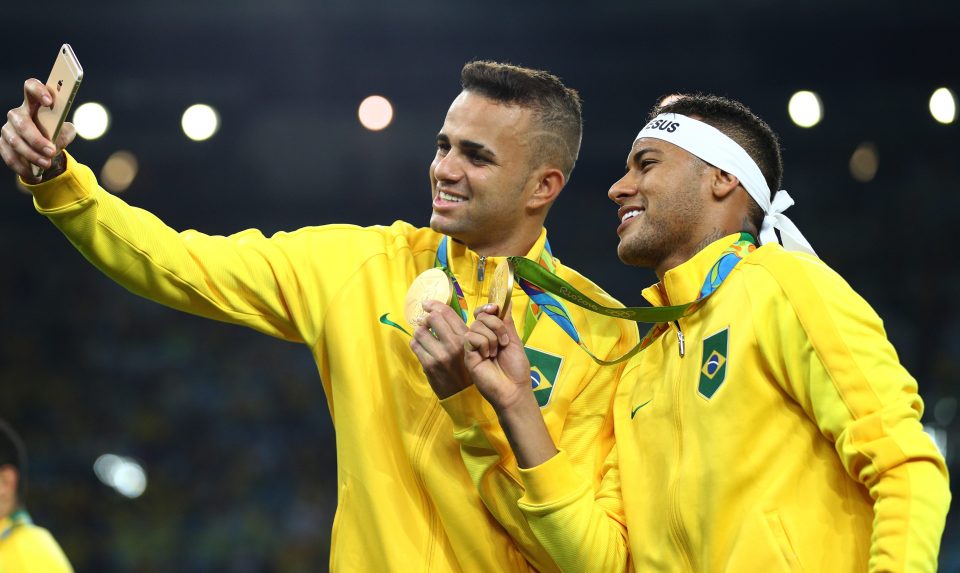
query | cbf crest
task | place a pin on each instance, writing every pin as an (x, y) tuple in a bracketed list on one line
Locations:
[(713, 363), (544, 370)]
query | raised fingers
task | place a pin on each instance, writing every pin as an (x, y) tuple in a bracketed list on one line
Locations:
[(36, 94), (23, 137), (15, 162), (484, 340)]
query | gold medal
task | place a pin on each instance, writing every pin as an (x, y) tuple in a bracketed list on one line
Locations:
[(502, 287), (432, 284)]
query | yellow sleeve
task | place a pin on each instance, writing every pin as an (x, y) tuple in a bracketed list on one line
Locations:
[(34, 550), (488, 458), (279, 285), (582, 529), (827, 348), (537, 519)]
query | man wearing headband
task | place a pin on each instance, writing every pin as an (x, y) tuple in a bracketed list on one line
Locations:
[(770, 429), (406, 500)]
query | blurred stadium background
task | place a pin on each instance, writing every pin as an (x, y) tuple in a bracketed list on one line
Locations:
[(224, 456)]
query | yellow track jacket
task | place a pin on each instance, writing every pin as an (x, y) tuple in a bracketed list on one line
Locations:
[(785, 438), (26, 548), (406, 500)]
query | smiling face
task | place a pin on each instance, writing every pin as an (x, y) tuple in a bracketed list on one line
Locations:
[(481, 176), (662, 202)]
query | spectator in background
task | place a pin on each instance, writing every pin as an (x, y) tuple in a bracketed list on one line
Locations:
[(24, 547)]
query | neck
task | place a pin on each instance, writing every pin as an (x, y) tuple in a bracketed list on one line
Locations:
[(683, 255), (515, 245)]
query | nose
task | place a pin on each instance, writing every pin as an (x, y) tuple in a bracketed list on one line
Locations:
[(446, 169), (622, 190)]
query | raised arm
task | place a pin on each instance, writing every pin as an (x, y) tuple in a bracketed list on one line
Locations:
[(579, 525), (281, 285)]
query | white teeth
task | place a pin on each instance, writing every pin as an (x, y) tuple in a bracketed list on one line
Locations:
[(449, 197), (631, 215)]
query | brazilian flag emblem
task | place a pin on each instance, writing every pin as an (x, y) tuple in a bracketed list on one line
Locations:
[(544, 369), (713, 368)]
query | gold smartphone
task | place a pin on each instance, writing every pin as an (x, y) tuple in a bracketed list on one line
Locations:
[(64, 81)]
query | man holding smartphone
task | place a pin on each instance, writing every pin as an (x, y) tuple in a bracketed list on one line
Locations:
[(406, 500)]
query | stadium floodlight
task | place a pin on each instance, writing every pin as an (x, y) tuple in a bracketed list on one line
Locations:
[(805, 108), (91, 120), (200, 122), (375, 112), (943, 105)]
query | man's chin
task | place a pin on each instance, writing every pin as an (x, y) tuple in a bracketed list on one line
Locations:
[(631, 256), (444, 225)]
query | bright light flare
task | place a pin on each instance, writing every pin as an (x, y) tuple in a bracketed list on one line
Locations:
[(122, 474), (805, 108), (375, 113), (200, 122), (91, 120), (943, 105)]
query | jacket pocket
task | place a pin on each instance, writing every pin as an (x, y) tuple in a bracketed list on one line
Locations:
[(762, 545), (779, 533)]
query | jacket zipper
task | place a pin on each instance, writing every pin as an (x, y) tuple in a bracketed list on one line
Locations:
[(681, 343), (481, 274), (676, 521)]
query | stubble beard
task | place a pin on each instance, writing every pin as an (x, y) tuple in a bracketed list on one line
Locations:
[(645, 247), (661, 236)]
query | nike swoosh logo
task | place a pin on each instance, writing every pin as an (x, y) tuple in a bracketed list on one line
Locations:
[(634, 411)]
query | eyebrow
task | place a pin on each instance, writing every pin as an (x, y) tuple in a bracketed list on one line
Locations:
[(467, 144), (636, 156)]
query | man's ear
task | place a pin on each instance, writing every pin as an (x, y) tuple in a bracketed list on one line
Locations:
[(548, 184), (723, 183)]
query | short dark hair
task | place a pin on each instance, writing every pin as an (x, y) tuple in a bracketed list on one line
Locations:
[(737, 122), (556, 107), (13, 452)]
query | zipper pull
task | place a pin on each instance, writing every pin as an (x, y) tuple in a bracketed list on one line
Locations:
[(680, 339), (481, 268)]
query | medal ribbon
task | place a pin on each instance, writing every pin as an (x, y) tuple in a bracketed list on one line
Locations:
[(539, 284), (545, 262), (459, 303)]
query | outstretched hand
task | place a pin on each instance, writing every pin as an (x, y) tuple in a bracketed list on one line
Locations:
[(21, 141), (495, 359)]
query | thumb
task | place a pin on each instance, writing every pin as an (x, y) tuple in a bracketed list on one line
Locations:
[(67, 133)]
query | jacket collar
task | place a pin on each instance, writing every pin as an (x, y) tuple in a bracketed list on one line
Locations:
[(465, 263), (682, 283), (10, 522)]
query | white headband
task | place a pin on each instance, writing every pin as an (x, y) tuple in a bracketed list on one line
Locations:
[(713, 146)]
